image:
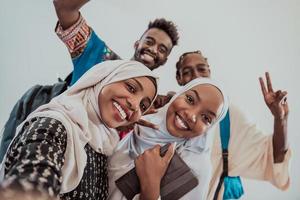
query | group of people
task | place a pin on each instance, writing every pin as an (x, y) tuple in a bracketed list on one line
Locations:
[(83, 140)]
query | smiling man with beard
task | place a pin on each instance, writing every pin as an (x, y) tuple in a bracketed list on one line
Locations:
[(87, 49)]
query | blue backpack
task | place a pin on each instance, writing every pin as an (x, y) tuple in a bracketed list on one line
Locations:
[(233, 188)]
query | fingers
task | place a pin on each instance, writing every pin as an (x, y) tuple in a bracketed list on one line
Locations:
[(170, 94), (263, 87), (168, 156), (281, 96), (284, 100), (147, 124), (150, 111), (269, 83), (160, 101)]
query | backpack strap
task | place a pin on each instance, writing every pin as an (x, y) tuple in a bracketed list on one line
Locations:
[(233, 188)]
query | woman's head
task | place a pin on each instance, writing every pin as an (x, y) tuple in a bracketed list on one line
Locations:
[(195, 109), (125, 93), (124, 102)]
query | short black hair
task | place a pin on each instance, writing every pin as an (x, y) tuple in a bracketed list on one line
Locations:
[(167, 26)]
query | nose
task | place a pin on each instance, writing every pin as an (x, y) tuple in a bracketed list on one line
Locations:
[(153, 49), (191, 116), (133, 104), (196, 74)]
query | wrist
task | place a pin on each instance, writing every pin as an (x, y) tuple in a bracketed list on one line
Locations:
[(150, 190), (280, 119)]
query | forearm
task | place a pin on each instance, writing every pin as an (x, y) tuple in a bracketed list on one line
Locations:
[(35, 158), (279, 139), (67, 11)]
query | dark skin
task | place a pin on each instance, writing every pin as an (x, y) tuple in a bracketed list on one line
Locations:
[(12, 193), (158, 45), (277, 103), (150, 175), (275, 100), (154, 42)]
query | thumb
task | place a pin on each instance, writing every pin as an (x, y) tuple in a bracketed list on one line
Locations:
[(169, 154)]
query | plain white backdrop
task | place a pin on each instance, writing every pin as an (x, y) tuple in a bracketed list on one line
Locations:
[(242, 40)]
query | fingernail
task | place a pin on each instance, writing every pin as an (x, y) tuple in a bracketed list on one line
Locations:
[(174, 146)]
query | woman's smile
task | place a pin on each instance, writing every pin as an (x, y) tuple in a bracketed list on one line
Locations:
[(181, 123)]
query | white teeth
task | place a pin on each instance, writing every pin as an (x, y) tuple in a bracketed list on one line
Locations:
[(121, 111), (180, 122), (147, 57)]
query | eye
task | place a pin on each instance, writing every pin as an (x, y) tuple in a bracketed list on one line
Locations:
[(204, 71), (144, 106), (190, 99), (149, 42), (130, 88), (162, 50), (206, 119), (186, 73)]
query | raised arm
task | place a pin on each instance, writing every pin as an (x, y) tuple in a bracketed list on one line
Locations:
[(67, 11), (35, 159), (277, 103)]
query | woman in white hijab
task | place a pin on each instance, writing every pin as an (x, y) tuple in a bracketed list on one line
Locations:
[(62, 147), (185, 120)]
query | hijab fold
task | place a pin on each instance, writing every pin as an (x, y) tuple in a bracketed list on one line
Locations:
[(194, 151), (77, 109)]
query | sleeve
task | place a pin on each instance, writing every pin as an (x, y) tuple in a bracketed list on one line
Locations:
[(75, 37), (36, 156), (85, 47), (251, 153)]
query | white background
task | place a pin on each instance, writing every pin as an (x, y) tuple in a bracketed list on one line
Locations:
[(242, 40)]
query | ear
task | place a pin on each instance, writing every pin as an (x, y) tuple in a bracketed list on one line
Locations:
[(178, 78), (136, 44), (209, 72)]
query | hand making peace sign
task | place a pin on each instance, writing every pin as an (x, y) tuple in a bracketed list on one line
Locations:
[(276, 101)]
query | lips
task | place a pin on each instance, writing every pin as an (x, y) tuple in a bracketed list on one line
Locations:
[(181, 123), (148, 57), (121, 111)]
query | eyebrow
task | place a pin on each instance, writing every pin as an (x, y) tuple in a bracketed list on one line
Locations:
[(150, 38), (139, 84), (202, 65), (187, 68), (212, 113), (163, 45), (199, 99), (197, 95)]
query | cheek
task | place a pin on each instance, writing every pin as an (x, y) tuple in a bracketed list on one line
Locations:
[(101, 102), (187, 77), (162, 58), (200, 128), (136, 117)]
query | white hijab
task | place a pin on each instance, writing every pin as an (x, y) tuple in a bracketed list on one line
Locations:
[(77, 109), (194, 150)]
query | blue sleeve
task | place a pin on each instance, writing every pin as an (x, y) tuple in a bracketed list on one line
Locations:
[(95, 52), (92, 55)]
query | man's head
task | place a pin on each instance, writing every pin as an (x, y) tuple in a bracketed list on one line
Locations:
[(155, 45), (191, 65)]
